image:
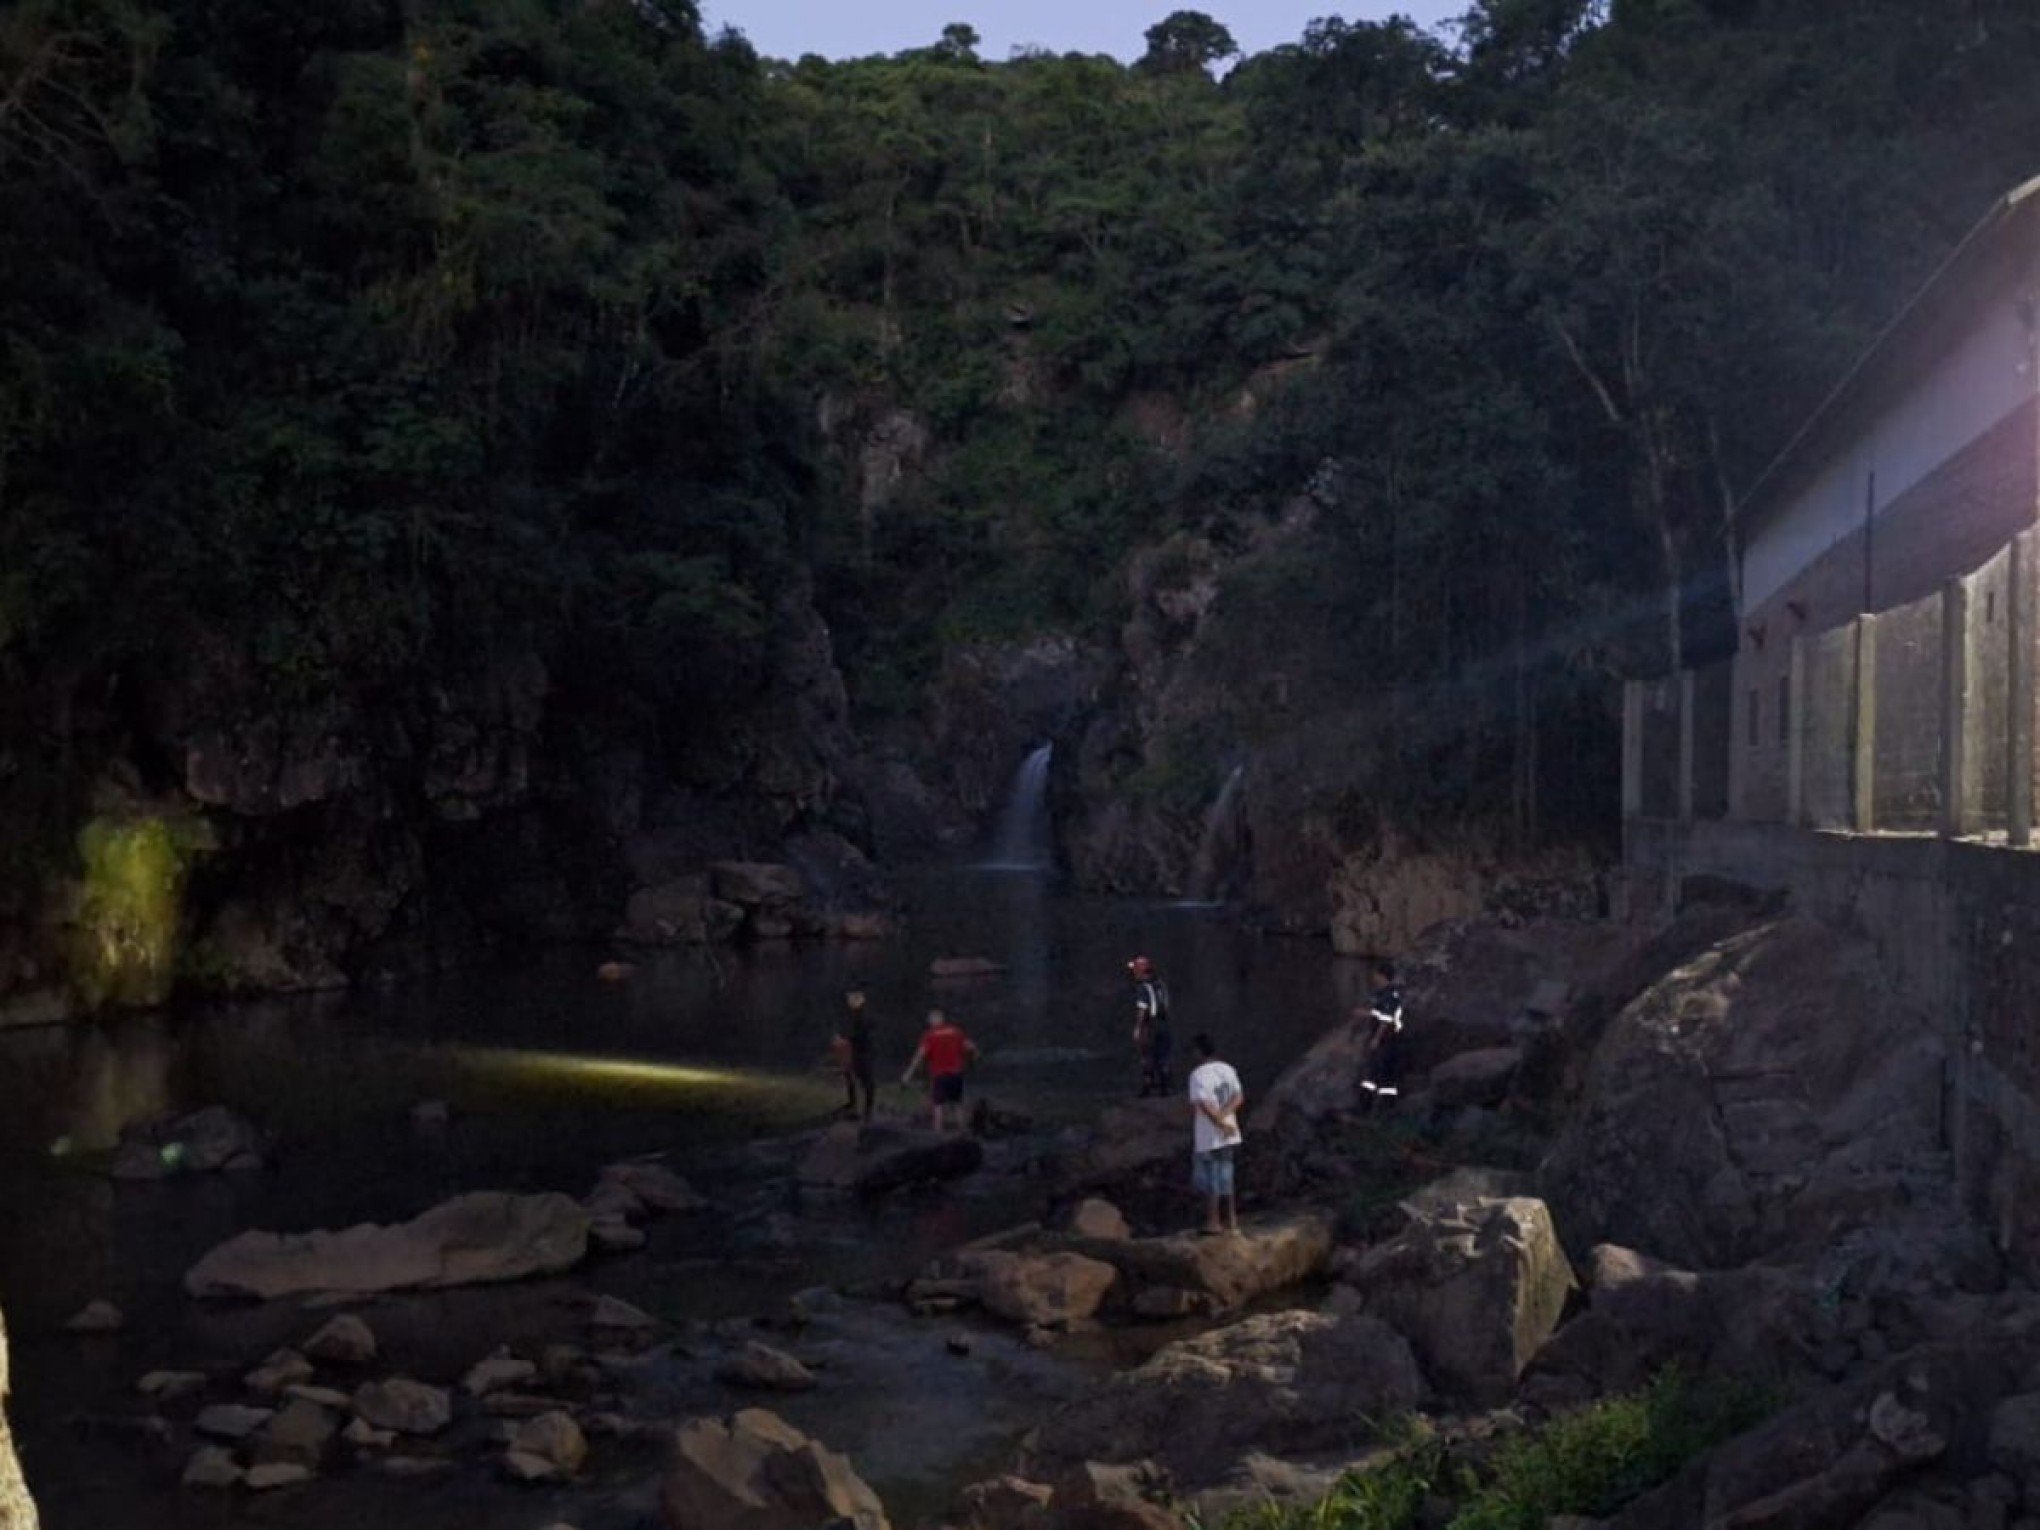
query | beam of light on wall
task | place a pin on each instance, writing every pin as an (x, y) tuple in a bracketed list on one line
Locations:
[(130, 906)]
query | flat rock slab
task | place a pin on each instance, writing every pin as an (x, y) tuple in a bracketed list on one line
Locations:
[(473, 1239)]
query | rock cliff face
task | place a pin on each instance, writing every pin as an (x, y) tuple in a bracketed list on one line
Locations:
[(251, 841)]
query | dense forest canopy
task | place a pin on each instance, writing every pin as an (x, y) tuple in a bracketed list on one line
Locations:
[(360, 338)]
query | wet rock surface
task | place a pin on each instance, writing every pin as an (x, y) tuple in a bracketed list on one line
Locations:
[(472, 1239)]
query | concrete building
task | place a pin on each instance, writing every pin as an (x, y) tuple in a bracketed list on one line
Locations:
[(1870, 748)]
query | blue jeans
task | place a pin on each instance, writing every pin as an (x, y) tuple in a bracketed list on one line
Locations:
[(1212, 1172)]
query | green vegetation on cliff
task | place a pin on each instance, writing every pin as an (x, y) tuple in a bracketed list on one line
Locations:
[(1589, 1463), (345, 347)]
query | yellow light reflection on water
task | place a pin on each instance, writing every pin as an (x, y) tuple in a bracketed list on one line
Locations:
[(575, 1068)]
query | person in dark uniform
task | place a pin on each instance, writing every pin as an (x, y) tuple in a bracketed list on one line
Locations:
[(853, 1047), (1381, 1072), (1151, 1038)]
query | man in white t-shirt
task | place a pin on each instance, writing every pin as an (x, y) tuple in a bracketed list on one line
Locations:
[(1216, 1099)]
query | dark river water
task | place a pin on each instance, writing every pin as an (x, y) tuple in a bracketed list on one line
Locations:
[(550, 1073)]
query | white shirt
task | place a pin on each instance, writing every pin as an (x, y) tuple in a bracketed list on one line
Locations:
[(1215, 1084)]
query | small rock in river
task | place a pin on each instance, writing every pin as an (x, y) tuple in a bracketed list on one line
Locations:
[(499, 1370), (613, 1235), (164, 1386), (618, 1316), (407, 1406), (363, 1435), (959, 1343), (231, 1421), (97, 1317), (285, 1368), (343, 1340), (277, 1474), (760, 1365), (546, 1448), (211, 1466)]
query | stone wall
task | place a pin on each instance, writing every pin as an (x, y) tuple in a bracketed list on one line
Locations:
[(1956, 925)]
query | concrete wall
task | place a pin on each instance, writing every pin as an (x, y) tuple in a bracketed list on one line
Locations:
[(1983, 379), (1957, 926)]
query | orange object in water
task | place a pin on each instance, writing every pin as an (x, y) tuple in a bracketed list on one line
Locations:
[(614, 972)]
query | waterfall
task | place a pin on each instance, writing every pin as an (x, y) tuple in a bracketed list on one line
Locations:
[(1022, 842), (1218, 833)]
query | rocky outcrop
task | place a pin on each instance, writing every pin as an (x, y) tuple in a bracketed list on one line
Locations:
[(473, 1239), (201, 1142), (1285, 1382), (501, 796), (1476, 1290), (17, 1509), (1760, 1324), (1832, 1458), (1769, 1097), (757, 1472), (1187, 1272), (1052, 1279), (871, 1160)]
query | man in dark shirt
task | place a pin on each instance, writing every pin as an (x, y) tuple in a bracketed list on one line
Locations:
[(1381, 1072), (856, 1052)]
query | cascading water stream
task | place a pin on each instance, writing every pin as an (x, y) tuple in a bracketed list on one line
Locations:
[(1219, 832), (1022, 843)]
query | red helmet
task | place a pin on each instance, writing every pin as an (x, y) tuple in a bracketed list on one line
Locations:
[(1141, 967)]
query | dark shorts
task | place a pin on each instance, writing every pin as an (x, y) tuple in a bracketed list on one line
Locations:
[(946, 1088)]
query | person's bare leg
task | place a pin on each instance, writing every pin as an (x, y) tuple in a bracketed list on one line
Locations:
[(1232, 1212), (1211, 1222)]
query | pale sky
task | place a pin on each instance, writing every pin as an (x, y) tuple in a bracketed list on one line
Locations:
[(852, 28)]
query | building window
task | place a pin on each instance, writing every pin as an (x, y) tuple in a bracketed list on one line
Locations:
[(1784, 709), (1755, 706)]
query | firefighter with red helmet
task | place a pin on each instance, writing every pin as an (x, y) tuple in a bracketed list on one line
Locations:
[(1151, 1037)]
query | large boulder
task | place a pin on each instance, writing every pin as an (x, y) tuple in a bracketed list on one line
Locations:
[(17, 1509), (871, 1160), (1760, 1323), (1131, 1141), (1219, 1274), (1283, 1382), (1479, 1077), (1041, 1290), (1767, 1098), (473, 1239), (758, 1472), (679, 912), (1477, 1290), (757, 884)]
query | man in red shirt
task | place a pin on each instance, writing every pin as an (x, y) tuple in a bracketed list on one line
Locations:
[(943, 1052)]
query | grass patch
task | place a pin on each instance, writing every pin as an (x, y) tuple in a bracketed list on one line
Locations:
[(1590, 1462)]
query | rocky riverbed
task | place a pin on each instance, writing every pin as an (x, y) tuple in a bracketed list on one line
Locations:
[(1712, 1146)]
